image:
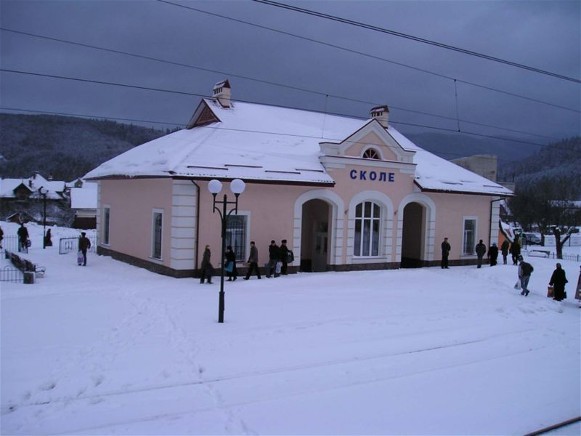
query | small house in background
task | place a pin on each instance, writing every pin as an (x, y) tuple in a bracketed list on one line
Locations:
[(84, 205), (29, 197), (346, 193)]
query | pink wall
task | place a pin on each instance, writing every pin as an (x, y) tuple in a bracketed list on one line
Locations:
[(132, 202)]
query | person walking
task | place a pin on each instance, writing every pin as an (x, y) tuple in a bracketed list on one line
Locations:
[(1, 237), (231, 264), (84, 245), (493, 254), (445, 253), (253, 261), (207, 268), (558, 281), (273, 258), (48, 239), (284, 257), (22, 233), (504, 249), (480, 252), (515, 250), (525, 270)]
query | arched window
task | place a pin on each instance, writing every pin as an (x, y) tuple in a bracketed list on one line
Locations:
[(370, 153), (367, 220)]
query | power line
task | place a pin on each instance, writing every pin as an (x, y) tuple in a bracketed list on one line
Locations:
[(146, 88), (229, 74), (415, 38), (360, 53)]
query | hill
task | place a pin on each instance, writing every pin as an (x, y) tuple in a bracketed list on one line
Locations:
[(63, 147), (67, 147)]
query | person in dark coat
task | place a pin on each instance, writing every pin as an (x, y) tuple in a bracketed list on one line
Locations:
[(231, 261), (504, 249), (1, 236), (207, 268), (493, 254), (445, 253), (273, 258), (252, 261), (480, 252), (48, 239), (558, 281), (283, 257), (515, 250), (22, 233), (84, 245)]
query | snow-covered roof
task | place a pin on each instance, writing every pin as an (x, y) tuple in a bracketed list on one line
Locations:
[(33, 184), (257, 142), (85, 197)]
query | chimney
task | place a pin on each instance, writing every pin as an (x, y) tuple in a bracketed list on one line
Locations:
[(222, 93), (381, 114)]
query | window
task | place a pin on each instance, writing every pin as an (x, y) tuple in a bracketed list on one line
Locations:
[(370, 153), (236, 235), (106, 224), (469, 236), (157, 234), (367, 219)]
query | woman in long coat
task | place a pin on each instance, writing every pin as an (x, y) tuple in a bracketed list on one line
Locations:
[(231, 263), (558, 281), (207, 268)]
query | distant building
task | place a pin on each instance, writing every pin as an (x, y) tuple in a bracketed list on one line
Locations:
[(23, 197), (84, 205), (346, 193), (485, 165)]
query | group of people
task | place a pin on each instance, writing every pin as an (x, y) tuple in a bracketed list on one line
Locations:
[(278, 260), (480, 249)]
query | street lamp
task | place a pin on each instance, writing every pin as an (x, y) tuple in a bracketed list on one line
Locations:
[(43, 192), (237, 187)]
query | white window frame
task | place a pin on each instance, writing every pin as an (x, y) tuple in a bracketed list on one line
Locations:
[(465, 241), (154, 234), (371, 220)]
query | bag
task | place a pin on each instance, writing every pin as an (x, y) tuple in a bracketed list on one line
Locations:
[(517, 285), (28, 243), (278, 267), (80, 258), (229, 266), (550, 291), (290, 257)]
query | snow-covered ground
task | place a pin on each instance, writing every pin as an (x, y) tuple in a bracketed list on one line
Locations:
[(114, 349)]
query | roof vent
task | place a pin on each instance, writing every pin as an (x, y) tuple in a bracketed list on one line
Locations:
[(381, 114), (222, 93)]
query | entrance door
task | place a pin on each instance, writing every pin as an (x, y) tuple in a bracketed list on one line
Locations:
[(315, 236), (412, 245)]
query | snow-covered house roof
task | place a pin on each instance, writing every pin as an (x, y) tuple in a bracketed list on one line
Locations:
[(55, 190), (257, 142)]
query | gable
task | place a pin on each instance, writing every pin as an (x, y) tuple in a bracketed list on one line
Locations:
[(371, 141), (202, 116)]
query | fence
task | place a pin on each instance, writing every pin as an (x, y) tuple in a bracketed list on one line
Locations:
[(67, 245), (11, 274)]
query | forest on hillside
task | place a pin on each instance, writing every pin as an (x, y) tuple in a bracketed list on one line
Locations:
[(64, 148)]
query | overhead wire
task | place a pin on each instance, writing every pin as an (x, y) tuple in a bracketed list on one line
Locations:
[(414, 38), (146, 88), (360, 53)]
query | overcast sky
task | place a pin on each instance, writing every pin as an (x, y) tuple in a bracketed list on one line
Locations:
[(325, 66)]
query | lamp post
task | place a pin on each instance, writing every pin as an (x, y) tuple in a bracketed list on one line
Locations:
[(237, 187), (43, 192)]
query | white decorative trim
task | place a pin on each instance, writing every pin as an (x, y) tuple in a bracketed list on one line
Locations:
[(183, 225), (336, 225)]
